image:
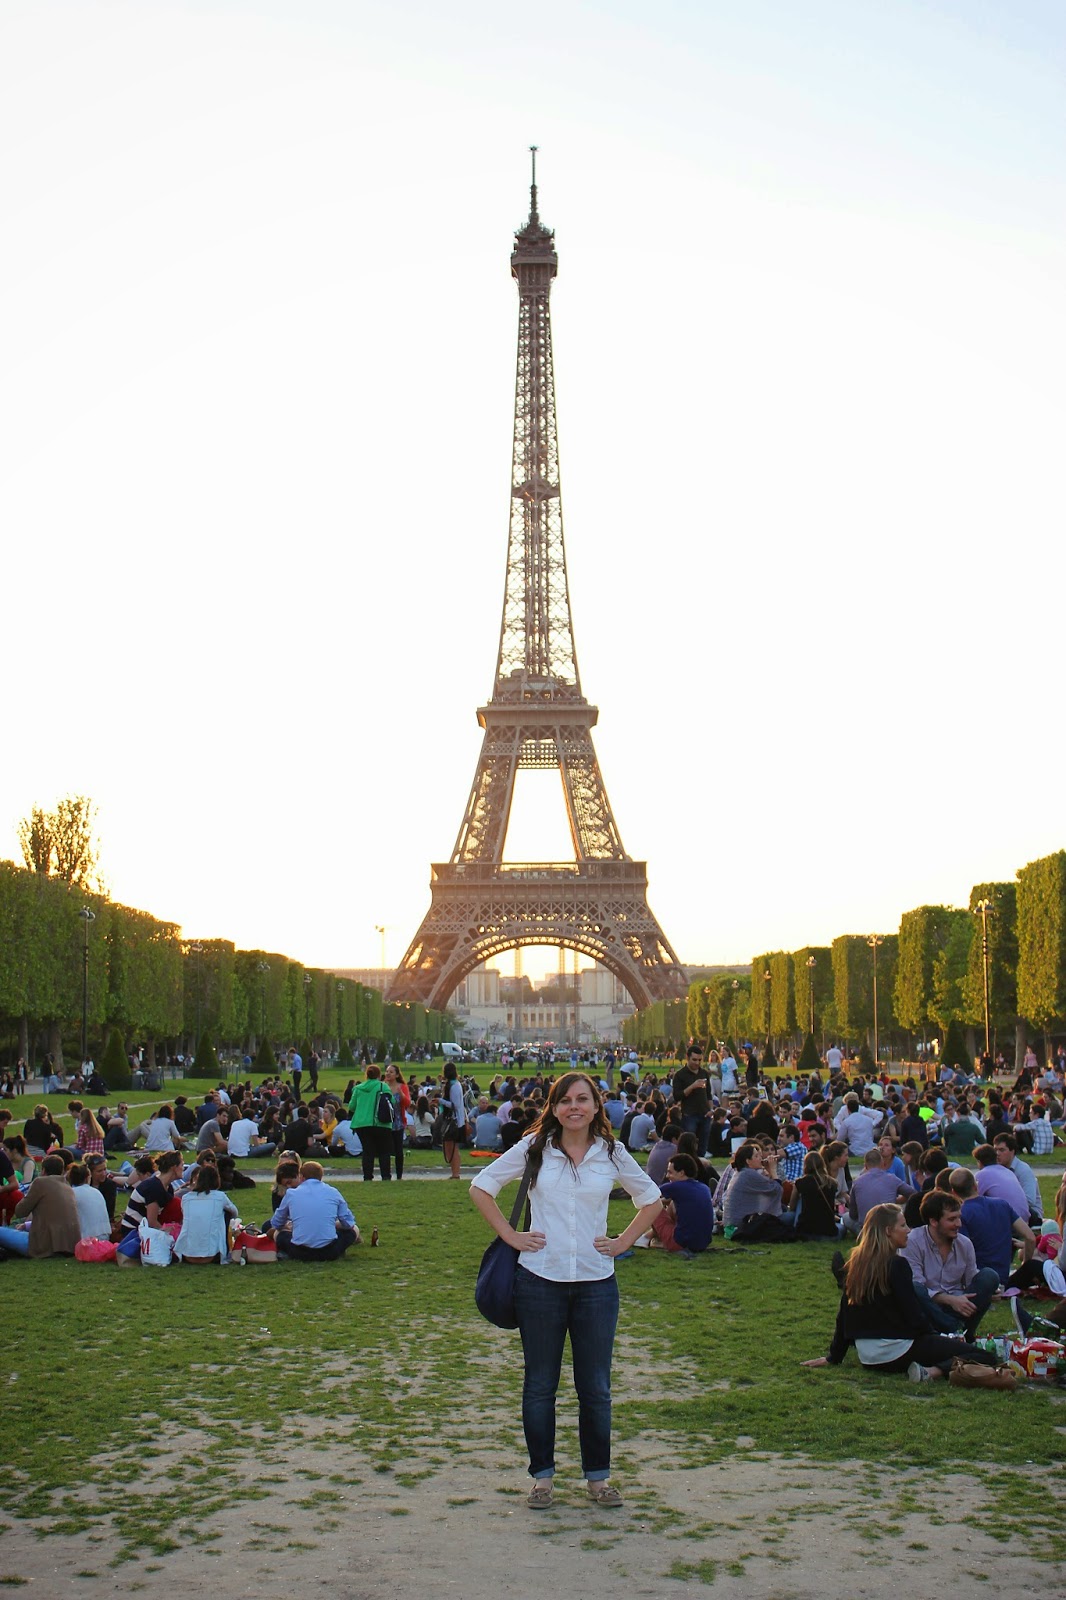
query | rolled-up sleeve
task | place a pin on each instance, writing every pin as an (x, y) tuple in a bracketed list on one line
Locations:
[(504, 1170)]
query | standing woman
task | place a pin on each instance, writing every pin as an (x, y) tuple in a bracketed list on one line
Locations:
[(453, 1118), (401, 1099), (565, 1282)]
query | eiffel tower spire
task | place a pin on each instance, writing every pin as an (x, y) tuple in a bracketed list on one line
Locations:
[(537, 717), (537, 631)]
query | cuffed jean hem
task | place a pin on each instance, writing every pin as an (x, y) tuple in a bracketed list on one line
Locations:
[(547, 1311)]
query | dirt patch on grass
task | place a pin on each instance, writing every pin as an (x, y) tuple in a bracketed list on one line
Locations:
[(448, 1516)]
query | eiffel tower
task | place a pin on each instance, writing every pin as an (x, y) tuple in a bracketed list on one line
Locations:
[(537, 718)]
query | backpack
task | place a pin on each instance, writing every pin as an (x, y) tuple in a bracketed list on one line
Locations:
[(383, 1109)]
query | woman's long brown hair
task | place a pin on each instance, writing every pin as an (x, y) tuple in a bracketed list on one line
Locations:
[(868, 1264)]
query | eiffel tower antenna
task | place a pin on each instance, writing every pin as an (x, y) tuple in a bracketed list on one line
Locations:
[(537, 718)]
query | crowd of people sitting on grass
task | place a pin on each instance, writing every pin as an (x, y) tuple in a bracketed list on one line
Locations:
[(734, 1152)]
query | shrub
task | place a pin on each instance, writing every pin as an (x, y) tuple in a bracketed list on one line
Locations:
[(205, 1064), (809, 1061), (379, 1058), (264, 1058), (115, 1067), (955, 1053), (769, 1059), (866, 1058), (305, 1052), (345, 1058)]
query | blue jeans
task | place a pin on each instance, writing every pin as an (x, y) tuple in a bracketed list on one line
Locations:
[(980, 1291), (15, 1240), (547, 1311), (701, 1127)]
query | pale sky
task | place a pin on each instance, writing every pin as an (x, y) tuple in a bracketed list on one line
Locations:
[(256, 398)]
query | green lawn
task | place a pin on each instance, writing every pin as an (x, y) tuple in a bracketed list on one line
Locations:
[(368, 1354)]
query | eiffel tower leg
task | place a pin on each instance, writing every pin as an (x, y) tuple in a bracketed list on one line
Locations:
[(478, 912)]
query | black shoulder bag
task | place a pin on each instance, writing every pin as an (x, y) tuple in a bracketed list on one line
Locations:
[(494, 1290)]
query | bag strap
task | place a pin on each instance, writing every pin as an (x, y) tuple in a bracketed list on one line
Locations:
[(520, 1199)]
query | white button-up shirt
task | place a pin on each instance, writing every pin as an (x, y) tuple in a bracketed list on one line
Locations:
[(569, 1205)]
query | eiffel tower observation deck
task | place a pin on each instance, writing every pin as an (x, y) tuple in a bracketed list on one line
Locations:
[(537, 717)]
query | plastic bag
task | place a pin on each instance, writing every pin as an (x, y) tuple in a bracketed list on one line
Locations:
[(95, 1250), (157, 1247)]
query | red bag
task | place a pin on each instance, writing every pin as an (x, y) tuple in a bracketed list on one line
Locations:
[(256, 1246), (94, 1250)]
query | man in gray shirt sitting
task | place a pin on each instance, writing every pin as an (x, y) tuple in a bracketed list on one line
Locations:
[(486, 1126), (876, 1185), (952, 1289)]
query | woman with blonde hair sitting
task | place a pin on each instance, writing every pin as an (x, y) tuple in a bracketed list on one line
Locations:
[(881, 1315)]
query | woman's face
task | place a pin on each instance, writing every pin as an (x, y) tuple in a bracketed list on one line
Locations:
[(577, 1107), (899, 1233)]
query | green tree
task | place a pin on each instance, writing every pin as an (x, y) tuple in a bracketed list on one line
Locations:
[(761, 1001), (853, 969), (62, 843), (1001, 920), (782, 996), (949, 972), (1042, 940), (818, 978), (924, 935), (264, 1057)]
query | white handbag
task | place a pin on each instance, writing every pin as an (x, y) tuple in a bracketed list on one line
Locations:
[(157, 1247)]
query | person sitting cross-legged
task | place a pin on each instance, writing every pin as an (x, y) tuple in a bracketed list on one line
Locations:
[(953, 1290), (322, 1224), (686, 1221)]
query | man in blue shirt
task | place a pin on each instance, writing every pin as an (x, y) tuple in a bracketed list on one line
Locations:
[(990, 1225), (322, 1224), (686, 1221)]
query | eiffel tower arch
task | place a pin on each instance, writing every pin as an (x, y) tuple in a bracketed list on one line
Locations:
[(537, 718)]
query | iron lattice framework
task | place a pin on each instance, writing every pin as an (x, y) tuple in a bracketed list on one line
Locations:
[(537, 718)]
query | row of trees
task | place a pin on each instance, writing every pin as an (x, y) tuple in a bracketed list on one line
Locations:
[(142, 979), (930, 974)]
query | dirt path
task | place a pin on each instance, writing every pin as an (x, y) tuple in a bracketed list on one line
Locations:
[(338, 1526)]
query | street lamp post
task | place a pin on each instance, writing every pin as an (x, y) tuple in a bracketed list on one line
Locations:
[(198, 949), (308, 981), (767, 980), (873, 941), (736, 992), (811, 964), (982, 909), (340, 1013), (262, 967), (87, 916), (379, 927)]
